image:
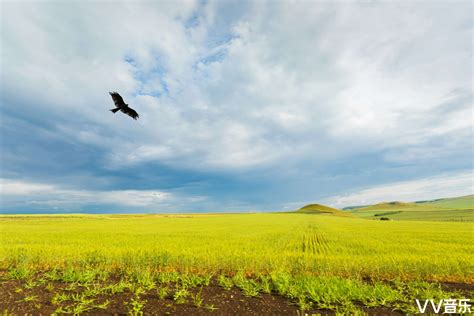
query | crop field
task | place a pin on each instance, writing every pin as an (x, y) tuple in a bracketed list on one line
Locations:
[(288, 263)]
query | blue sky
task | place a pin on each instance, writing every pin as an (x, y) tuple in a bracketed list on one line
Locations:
[(244, 106)]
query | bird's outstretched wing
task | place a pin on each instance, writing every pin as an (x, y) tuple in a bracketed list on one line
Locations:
[(130, 112), (117, 99)]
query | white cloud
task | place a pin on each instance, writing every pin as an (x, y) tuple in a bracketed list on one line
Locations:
[(14, 187), (133, 197), (292, 78), (15, 192), (447, 185)]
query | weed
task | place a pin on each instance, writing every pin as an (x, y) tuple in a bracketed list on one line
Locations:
[(210, 307), (248, 286), (136, 306), (265, 284), (103, 305), (304, 304), (181, 295), (225, 282), (29, 284), (139, 291), (49, 287), (19, 273), (197, 298), (162, 292), (118, 287), (71, 287), (30, 298), (59, 298)]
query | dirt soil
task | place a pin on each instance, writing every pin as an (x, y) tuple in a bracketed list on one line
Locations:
[(215, 301)]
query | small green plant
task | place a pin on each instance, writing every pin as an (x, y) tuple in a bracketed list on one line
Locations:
[(71, 287), (30, 298), (19, 273), (29, 284), (304, 304), (181, 295), (197, 298), (103, 305), (210, 307), (248, 286), (162, 292), (5, 312), (75, 309), (225, 282), (52, 275), (145, 279), (117, 287), (78, 297), (93, 290), (60, 310), (139, 291), (59, 298), (81, 308), (266, 284), (136, 306)]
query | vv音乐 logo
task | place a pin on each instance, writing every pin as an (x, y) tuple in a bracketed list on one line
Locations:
[(446, 306)]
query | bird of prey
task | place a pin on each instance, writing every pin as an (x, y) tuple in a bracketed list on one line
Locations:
[(122, 106)]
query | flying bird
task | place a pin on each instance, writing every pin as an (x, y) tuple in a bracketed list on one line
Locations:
[(122, 106)]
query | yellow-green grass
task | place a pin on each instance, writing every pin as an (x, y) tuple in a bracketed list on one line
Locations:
[(460, 203), (454, 209), (316, 261), (251, 243)]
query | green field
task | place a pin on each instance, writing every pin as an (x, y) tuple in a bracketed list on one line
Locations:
[(459, 209), (461, 203), (333, 263)]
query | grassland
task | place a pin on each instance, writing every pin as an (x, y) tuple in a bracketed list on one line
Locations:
[(460, 209), (459, 203), (317, 263)]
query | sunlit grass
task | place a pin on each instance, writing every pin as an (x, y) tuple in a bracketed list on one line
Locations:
[(321, 261), (252, 243)]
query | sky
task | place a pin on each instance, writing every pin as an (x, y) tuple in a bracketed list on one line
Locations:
[(244, 105)]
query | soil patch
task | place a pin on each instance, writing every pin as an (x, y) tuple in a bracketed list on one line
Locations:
[(15, 298)]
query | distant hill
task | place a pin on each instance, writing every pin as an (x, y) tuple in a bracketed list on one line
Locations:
[(462, 202), (388, 206), (322, 210), (353, 207), (449, 209)]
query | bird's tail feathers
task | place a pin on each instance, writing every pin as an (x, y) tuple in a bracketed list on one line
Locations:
[(114, 110)]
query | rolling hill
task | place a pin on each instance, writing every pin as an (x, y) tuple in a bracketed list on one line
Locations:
[(449, 209), (389, 206), (462, 202), (322, 210)]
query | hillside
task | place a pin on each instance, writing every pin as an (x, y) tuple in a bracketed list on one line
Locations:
[(462, 202), (396, 205), (450, 209), (322, 210)]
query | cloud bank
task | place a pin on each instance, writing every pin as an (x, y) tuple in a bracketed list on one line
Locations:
[(442, 186)]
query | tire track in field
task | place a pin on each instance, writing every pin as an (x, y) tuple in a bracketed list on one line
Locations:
[(314, 241)]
